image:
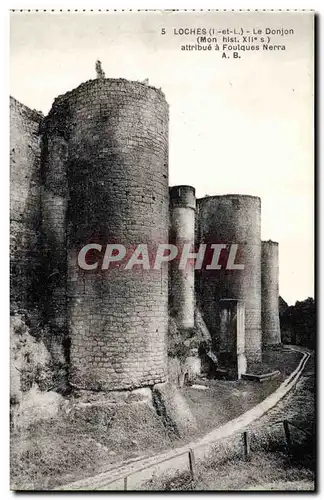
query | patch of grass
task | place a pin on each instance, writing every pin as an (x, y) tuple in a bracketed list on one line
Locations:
[(278, 359), (264, 468), (225, 400), (37, 462), (236, 397), (83, 443), (71, 448), (269, 466)]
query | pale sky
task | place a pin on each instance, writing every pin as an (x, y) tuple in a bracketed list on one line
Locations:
[(236, 126)]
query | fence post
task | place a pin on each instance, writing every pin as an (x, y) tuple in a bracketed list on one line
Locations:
[(192, 464), (125, 483), (246, 444), (287, 434)]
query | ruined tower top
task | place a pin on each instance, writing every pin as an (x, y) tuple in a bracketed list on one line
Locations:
[(100, 72), (183, 196)]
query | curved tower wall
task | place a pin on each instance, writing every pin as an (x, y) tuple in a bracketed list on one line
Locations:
[(232, 219), (270, 293), (182, 217), (117, 175)]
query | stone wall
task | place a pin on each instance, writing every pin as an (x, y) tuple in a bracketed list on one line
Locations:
[(54, 204), (95, 170), (24, 206)]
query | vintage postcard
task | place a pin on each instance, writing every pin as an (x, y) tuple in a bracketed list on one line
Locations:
[(162, 311)]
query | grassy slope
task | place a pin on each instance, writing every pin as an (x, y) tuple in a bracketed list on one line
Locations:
[(236, 397), (270, 467), (61, 451)]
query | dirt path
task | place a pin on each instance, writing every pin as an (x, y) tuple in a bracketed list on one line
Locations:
[(63, 452), (164, 464)]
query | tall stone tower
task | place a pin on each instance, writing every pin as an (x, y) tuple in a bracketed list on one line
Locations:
[(233, 219), (182, 217), (270, 293), (106, 181)]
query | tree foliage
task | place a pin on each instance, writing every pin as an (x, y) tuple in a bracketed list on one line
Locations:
[(298, 324)]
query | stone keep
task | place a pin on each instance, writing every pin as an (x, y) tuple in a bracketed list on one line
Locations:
[(182, 231), (233, 219), (270, 293), (106, 181), (95, 170), (25, 213)]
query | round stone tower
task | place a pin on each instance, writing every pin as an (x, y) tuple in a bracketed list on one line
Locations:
[(115, 164), (182, 217), (232, 220), (270, 293)]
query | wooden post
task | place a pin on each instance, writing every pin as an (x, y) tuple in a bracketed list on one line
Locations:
[(192, 464), (287, 434), (246, 444), (125, 483)]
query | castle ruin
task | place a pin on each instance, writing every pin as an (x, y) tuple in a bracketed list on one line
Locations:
[(95, 169)]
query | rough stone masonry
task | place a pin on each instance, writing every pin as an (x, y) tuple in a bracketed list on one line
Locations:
[(96, 169)]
